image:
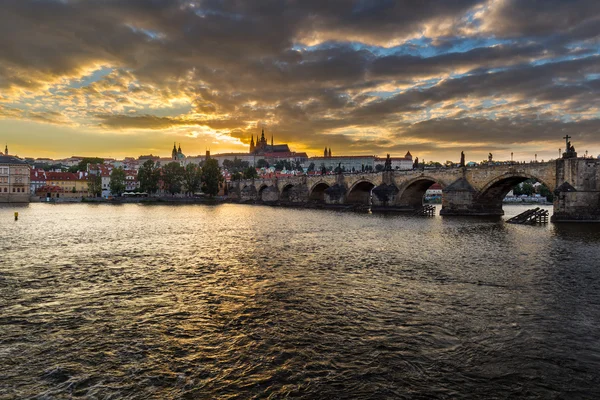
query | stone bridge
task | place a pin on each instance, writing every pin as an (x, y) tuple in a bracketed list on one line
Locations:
[(465, 190)]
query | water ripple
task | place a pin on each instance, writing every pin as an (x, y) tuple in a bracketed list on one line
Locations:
[(243, 302)]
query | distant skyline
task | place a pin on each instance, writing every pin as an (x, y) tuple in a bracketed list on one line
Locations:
[(124, 78)]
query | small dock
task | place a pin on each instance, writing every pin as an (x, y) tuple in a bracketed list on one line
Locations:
[(426, 211), (530, 217)]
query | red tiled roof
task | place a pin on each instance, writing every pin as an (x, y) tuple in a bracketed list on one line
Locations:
[(61, 176), (51, 189), (339, 157), (37, 175), (393, 159)]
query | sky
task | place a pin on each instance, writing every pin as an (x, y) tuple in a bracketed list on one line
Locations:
[(116, 78)]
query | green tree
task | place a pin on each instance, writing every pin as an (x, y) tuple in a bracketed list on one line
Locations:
[(211, 177), (517, 191), (236, 176), (172, 177), (149, 176), (117, 181), (94, 180), (311, 167), (250, 173), (262, 163), (527, 188), (192, 178), (83, 164), (236, 165), (283, 164), (547, 193), (299, 166)]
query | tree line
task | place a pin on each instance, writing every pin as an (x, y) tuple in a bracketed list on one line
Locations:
[(175, 179)]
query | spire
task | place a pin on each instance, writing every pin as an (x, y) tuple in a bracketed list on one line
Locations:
[(271, 140), (325, 152), (179, 149), (330, 152), (6, 150), (174, 152), (262, 137)]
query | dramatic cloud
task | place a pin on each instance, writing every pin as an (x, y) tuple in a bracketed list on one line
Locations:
[(368, 77)]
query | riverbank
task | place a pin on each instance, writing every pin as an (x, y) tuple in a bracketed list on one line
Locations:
[(134, 200)]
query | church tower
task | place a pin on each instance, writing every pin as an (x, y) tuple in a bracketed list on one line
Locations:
[(325, 152), (174, 152), (251, 143), (271, 140), (329, 155)]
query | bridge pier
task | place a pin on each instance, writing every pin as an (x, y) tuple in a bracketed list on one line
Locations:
[(460, 198), (577, 195), (335, 194)]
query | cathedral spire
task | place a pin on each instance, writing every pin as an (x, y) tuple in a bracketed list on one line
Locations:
[(271, 140), (325, 152), (6, 150)]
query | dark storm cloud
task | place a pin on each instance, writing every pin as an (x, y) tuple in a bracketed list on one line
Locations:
[(154, 122), (505, 130), (534, 83), (526, 18)]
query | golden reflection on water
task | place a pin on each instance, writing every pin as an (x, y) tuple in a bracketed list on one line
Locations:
[(230, 300)]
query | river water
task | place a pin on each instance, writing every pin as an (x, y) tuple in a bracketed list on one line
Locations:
[(240, 301)]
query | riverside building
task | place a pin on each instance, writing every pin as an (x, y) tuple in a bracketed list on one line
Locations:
[(14, 179)]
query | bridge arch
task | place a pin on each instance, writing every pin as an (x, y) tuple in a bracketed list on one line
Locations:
[(317, 192), (493, 193), (360, 192), (412, 192)]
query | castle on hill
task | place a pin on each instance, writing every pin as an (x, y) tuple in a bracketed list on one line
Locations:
[(261, 147)]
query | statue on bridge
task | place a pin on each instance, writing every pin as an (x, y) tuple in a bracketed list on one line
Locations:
[(570, 151), (490, 158), (388, 164), (416, 163), (462, 159)]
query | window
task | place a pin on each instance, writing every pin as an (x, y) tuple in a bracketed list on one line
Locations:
[(5, 190), (13, 190)]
